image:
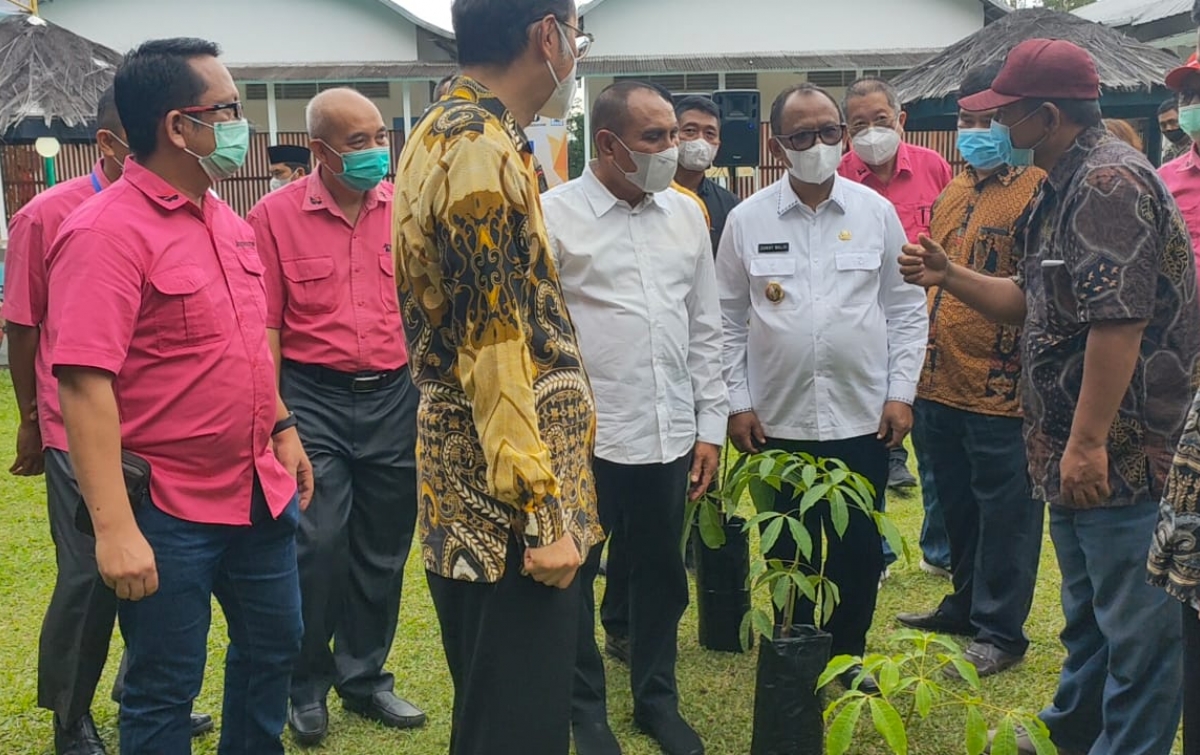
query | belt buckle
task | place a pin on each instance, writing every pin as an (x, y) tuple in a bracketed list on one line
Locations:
[(366, 384)]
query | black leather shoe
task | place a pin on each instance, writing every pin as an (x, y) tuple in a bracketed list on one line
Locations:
[(672, 733), (617, 648), (202, 723), (594, 738), (850, 680), (78, 737), (387, 709), (938, 622), (309, 723), (987, 659)]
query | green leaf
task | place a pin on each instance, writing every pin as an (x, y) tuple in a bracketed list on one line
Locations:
[(977, 731), (804, 586), (712, 531), (800, 535), (763, 624), (809, 475), (766, 465), (746, 631), (1039, 735), (828, 602), (782, 591), (889, 678), (924, 698), (968, 672), (1005, 742), (762, 493), (812, 496), (771, 535), (888, 724), (837, 665), (839, 513), (890, 532), (841, 731), (838, 475)]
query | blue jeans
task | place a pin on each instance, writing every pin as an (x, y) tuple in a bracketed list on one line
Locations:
[(252, 572), (935, 543), (1120, 688), (992, 523)]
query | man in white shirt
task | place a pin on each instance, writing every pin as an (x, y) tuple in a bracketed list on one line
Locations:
[(635, 262), (823, 341)]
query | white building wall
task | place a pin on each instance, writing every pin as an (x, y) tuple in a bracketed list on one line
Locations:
[(249, 31), (688, 27)]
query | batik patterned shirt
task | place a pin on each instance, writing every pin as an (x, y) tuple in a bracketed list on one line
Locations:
[(972, 363), (1106, 243), (506, 424)]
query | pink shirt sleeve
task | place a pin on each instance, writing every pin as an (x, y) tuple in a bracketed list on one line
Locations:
[(25, 273), (946, 174), (97, 286), (268, 252)]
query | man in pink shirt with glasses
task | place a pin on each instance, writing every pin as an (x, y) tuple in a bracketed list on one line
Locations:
[(158, 334)]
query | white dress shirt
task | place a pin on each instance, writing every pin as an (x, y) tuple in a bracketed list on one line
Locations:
[(641, 289), (820, 328)]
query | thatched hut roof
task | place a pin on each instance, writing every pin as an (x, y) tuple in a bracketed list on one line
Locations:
[(1124, 63), (49, 74)]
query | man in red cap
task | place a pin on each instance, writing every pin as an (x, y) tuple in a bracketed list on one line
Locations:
[(1107, 300), (1182, 175)]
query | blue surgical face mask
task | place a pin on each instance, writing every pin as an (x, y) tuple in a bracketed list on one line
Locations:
[(979, 147), (1018, 158)]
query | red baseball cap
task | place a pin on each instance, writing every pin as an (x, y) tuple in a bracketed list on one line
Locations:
[(1178, 76), (1040, 69)]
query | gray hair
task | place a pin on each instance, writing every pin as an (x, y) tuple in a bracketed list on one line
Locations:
[(869, 85)]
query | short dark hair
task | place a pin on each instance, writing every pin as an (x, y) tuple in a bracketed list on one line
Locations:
[(154, 79), (698, 103), (106, 111), (1168, 105), (979, 79), (609, 111), (869, 85), (496, 32), (782, 100)]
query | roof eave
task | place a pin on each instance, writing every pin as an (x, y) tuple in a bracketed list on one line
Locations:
[(420, 22)]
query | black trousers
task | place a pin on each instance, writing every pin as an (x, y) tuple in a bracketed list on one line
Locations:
[(1191, 681), (642, 506), (79, 622), (354, 539), (854, 562), (993, 523), (510, 647)]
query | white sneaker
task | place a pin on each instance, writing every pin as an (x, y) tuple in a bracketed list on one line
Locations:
[(887, 572), (935, 571)]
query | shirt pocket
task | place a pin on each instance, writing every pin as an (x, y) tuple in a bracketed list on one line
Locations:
[(387, 283), (253, 266), (857, 277), (181, 308), (915, 218), (310, 286), (774, 285)]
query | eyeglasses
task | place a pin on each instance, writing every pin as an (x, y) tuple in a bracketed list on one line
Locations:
[(234, 107), (583, 39), (802, 140)]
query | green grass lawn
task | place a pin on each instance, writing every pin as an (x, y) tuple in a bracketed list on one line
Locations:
[(716, 688)]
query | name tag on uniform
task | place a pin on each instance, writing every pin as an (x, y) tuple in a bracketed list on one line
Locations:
[(779, 248)]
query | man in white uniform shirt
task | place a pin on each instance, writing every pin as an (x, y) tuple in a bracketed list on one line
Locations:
[(823, 341), (635, 262)]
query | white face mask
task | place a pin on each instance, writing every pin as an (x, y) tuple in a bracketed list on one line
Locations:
[(696, 154), (815, 165), (559, 104), (877, 145), (278, 183), (655, 172)]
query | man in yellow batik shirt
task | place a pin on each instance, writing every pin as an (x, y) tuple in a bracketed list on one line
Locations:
[(506, 423)]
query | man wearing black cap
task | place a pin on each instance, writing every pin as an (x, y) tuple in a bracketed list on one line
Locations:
[(1107, 300), (288, 163)]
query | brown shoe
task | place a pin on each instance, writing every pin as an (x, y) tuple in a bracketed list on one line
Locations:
[(987, 659)]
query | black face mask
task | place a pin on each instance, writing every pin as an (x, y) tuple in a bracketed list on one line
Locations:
[(1175, 135)]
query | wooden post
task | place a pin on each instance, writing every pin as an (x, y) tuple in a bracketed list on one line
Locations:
[(272, 114)]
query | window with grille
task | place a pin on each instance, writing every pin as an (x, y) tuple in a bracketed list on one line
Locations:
[(741, 81), (832, 78), (679, 82), (887, 74), (306, 90)]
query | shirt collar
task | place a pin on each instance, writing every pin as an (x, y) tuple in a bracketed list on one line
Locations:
[(1004, 175), (466, 88), (602, 200), (316, 195), (1192, 160), (789, 201), (1072, 160), (155, 188), (99, 175)]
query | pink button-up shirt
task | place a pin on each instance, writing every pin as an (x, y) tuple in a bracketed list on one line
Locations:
[(169, 298), (1182, 177), (31, 232), (921, 175), (331, 283)]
